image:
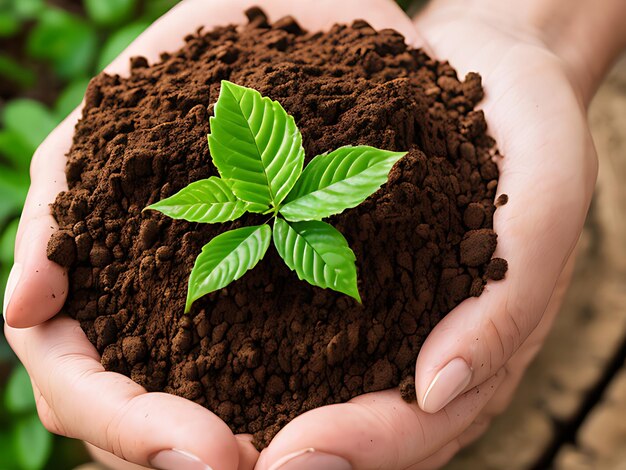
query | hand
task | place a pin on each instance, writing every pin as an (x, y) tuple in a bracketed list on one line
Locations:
[(75, 396), (377, 430), (536, 109)]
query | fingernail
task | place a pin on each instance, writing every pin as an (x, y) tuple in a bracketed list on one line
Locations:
[(177, 459), (447, 385), (310, 459), (12, 281)]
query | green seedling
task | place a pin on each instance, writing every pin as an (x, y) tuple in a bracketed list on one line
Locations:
[(257, 149)]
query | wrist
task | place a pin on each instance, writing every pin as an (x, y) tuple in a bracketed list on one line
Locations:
[(587, 35)]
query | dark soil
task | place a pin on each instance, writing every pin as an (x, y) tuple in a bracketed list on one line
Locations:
[(270, 347)]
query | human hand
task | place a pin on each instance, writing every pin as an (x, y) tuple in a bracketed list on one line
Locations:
[(75, 396), (535, 106), (373, 431)]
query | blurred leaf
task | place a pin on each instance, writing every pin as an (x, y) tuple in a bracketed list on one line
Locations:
[(18, 396), (110, 12), (8, 459), (13, 189), (14, 72), (15, 150), (33, 443), (119, 41), (70, 97), (28, 9), (9, 23), (157, 8), (29, 119), (7, 242), (66, 41)]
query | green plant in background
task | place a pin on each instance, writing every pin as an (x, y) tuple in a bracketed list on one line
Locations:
[(257, 149), (50, 53), (24, 442), (74, 47)]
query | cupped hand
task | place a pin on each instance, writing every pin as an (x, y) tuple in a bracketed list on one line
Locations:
[(474, 358), (126, 426), (548, 171)]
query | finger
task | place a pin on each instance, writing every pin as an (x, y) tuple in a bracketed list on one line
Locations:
[(248, 456), (113, 413), (518, 363), (373, 431), (539, 226)]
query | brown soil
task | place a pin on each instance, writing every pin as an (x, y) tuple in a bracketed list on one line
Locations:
[(270, 347)]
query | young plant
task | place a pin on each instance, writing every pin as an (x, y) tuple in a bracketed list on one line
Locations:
[(257, 149)]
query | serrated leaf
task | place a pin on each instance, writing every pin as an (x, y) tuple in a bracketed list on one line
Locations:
[(33, 444), (337, 181), (227, 258), (319, 254), (208, 201), (255, 145)]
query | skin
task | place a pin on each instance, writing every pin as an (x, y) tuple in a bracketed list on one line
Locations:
[(536, 99)]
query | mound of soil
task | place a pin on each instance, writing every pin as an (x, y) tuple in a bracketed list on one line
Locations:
[(270, 347)]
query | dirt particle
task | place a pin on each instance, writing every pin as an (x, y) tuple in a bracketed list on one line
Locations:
[(496, 269), (474, 216), (477, 247), (62, 249)]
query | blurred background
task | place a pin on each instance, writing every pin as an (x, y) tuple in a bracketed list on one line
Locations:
[(570, 411)]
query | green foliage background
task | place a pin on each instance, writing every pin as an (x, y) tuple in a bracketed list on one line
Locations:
[(48, 52)]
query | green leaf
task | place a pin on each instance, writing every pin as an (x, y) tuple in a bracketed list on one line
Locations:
[(7, 242), (209, 201), (33, 443), (337, 181), (15, 72), (255, 145), (9, 24), (66, 41), (29, 119), (18, 396), (319, 254), (70, 97), (119, 41), (14, 149), (28, 9), (226, 258), (154, 9), (110, 12), (8, 459), (13, 190)]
